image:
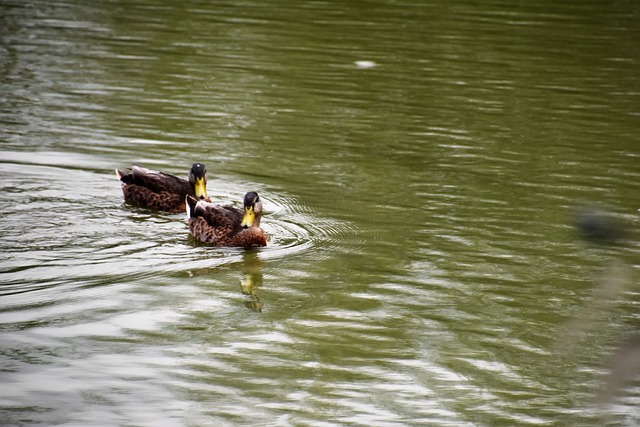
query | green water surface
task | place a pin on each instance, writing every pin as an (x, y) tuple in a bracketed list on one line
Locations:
[(420, 162)]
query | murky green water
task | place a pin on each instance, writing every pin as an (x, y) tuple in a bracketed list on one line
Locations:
[(420, 164)]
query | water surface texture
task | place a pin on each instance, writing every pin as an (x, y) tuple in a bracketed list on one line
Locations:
[(420, 165)]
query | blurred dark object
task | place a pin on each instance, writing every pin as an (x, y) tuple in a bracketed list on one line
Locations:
[(601, 227), (624, 367), (598, 226)]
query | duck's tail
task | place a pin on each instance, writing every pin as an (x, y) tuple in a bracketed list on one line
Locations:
[(120, 174)]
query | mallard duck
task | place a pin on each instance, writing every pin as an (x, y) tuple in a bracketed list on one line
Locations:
[(226, 225), (162, 191)]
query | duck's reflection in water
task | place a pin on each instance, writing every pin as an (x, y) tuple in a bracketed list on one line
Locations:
[(251, 279), (249, 270)]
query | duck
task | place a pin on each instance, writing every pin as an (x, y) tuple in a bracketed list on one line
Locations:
[(162, 191), (226, 225)]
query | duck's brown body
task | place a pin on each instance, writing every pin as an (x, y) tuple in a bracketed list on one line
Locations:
[(225, 225), (161, 191)]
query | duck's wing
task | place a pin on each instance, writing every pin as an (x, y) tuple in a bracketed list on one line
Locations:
[(153, 189), (216, 216), (212, 223), (155, 181), (160, 181)]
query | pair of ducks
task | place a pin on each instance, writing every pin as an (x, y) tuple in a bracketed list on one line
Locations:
[(208, 222)]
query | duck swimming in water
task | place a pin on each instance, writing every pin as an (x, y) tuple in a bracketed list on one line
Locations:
[(162, 191), (226, 225)]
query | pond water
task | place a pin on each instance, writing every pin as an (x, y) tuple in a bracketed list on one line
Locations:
[(420, 164)]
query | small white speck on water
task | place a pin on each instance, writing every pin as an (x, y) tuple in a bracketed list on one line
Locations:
[(365, 64)]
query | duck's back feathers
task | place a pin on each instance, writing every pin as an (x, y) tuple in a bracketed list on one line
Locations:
[(157, 181)]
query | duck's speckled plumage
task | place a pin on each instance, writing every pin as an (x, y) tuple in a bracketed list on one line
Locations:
[(159, 190), (225, 225)]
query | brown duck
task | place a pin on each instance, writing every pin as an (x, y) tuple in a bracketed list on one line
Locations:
[(226, 225), (162, 191)]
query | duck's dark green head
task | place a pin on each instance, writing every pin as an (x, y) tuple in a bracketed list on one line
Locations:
[(198, 178), (252, 210)]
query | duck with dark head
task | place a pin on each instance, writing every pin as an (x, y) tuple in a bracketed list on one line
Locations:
[(226, 225), (162, 191)]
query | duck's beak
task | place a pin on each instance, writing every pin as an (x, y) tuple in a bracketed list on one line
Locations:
[(248, 218), (200, 188)]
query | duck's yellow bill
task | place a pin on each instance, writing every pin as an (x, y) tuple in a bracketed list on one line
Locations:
[(200, 188), (248, 218)]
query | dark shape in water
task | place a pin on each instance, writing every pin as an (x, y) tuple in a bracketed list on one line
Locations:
[(598, 226)]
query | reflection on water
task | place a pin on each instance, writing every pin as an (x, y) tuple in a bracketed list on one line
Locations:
[(419, 165), (603, 228), (251, 280), (249, 264)]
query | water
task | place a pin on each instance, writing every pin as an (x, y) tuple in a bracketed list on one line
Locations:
[(420, 165)]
